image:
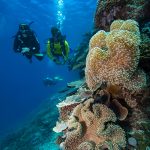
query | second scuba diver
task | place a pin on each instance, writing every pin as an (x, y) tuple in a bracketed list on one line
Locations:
[(57, 47), (26, 43), (48, 81)]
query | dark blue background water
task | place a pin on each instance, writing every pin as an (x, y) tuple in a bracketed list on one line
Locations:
[(21, 87)]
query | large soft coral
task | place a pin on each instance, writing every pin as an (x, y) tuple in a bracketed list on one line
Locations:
[(114, 56), (91, 127)]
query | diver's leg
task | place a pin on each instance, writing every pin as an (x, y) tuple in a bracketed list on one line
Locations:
[(28, 56), (59, 60), (37, 54)]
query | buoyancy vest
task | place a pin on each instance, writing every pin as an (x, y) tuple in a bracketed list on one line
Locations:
[(57, 48)]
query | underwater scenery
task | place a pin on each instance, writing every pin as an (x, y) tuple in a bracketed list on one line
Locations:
[(75, 75)]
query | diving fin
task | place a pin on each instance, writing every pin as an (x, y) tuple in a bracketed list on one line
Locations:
[(39, 56)]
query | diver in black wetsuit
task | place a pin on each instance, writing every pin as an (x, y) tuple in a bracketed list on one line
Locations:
[(26, 43)]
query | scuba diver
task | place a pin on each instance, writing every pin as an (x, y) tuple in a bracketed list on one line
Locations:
[(26, 43), (57, 47), (48, 81)]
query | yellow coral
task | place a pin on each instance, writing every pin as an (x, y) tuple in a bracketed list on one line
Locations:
[(116, 24), (113, 57), (95, 41), (129, 25)]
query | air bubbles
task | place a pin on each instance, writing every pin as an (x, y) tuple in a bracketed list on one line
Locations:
[(60, 14)]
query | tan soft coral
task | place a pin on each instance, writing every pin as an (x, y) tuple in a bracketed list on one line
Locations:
[(91, 127), (114, 56)]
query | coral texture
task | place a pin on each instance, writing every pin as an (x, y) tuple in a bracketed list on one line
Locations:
[(106, 96), (113, 57), (109, 10), (145, 47), (121, 111), (65, 111), (92, 126)]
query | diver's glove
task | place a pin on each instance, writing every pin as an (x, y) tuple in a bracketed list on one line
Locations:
[(25, 49)]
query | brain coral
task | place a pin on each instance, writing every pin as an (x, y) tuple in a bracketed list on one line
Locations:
[(114, 56), (92, 127)]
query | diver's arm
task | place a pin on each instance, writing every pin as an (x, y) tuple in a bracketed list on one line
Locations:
[(17, 43), (35, 46), (48, 49)]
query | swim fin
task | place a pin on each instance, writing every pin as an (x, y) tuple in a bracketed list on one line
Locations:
[(39, 56)]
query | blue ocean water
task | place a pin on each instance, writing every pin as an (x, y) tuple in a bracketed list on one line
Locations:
[(21, 86)]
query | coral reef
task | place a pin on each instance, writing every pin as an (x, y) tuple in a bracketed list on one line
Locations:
[(121, 110), (145, 47), (60, 126), (76, 84), (66, 110), (142, 136), (112, 118), (66, 106), (113, 57), (109, 10), (92, 123), (91, 126), (104, 96)]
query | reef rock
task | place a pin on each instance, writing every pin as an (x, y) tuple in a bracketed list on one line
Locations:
[(109, 10)]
